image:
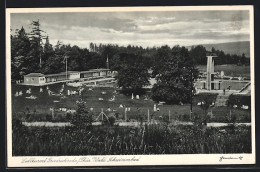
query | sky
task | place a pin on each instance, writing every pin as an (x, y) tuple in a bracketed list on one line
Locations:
[(147, 29)]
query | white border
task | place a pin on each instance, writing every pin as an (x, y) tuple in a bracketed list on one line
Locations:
[(180, 159)]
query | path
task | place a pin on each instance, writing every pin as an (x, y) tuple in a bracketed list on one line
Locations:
[(126, 124)]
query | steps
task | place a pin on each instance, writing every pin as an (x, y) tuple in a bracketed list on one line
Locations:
[(221, 99)]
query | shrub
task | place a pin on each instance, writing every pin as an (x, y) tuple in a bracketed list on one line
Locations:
[(16, 124), (211, 97), (68, 116), (82, 118), (48, 117), (239, 100)]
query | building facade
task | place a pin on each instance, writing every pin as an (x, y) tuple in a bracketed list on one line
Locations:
[(34, 78), (41, 79)]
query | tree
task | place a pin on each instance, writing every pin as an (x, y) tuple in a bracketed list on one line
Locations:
[(20, 46), (162, 54), (198, 53), (133, 75), (35, 55), (243, 59), (82, 119), (175, 81), (55, 61), (47, 56)]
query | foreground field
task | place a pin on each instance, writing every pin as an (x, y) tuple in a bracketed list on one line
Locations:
[(37, 110), (108, 140)]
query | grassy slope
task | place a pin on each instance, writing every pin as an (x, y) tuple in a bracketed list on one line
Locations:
[(43, 103), (230, 70), (231, 47)]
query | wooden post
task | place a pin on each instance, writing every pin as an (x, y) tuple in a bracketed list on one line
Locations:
[(230, 114), (169, 115), (66, 69), (148, 116), (52, 113), (102, 114), (125, 114)]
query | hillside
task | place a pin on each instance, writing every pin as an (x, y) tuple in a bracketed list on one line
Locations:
[(230, 47)]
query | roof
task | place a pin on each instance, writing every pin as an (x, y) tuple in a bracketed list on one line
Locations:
[(60, 74), (69, 72), (101, 69), (87, 71), (34, 75), (56, 74)]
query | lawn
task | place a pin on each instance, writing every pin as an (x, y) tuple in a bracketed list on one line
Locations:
[(40, 107), (160, 138), (229, 70)]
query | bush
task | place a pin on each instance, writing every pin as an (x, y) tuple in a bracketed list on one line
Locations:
[(16, 124), (211, 97), (111, 120), (48, 117), (82, 118), (239, 100), (68, 116)]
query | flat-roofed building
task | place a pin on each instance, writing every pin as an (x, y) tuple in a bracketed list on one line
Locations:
[(55, 77), (34, 79), (103, 72), (70, 75), (41, 79), (87, 74), (73, 75)]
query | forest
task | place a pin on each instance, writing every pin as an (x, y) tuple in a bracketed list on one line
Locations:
[(174, 68), (31, 51)]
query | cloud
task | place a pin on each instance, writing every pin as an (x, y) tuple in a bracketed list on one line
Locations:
[(140, 28)]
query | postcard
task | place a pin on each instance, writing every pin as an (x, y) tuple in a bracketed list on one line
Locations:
[(130, 86)]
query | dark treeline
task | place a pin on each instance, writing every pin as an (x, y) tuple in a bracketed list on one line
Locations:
[(32, 52)]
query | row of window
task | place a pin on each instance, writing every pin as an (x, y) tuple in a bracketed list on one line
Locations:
[(41, 79)]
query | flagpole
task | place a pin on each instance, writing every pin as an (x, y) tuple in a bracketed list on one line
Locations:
[(66, 69), (66, 57)]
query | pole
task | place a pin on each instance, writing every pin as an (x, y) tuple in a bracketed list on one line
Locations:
[(191, 95), (40, 60), (107, 62), (148, 116), (102, 114), (125, 114), (169, 115), (66, 69)]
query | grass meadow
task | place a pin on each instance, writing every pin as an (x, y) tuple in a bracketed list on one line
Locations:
[(115, 140), (229, 70), (40, 107)]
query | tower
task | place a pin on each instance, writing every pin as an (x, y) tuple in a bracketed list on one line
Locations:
[(210, 71), (107, 63)]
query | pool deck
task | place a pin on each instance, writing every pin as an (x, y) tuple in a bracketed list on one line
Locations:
[(63, 81)]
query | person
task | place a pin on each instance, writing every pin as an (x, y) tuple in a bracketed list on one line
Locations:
[(224, 91)]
